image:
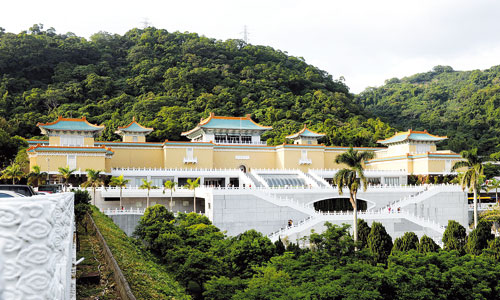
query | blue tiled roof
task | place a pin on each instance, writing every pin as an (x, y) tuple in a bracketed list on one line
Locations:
[(135, 127), (69, 149), (306, 133), (214, 122), (240, 123), (71, 125), (415, 136)]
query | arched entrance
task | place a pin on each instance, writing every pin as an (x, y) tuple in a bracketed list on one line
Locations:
[(243, 168), (338, 204)]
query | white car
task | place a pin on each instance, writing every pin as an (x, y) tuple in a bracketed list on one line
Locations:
[(9, 194)]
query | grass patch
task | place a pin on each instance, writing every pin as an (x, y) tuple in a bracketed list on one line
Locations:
[(147, 278)]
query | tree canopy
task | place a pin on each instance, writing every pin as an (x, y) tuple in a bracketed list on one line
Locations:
[(168, 81)]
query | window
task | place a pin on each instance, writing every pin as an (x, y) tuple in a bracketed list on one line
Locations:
[(135, 138), (423, 148), (158, 182), (391, 180), (71, 140), (304, 154), (72, 161), (189, 153)]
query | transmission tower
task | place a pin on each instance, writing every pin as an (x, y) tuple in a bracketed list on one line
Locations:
[(245, 34), (145, 23)]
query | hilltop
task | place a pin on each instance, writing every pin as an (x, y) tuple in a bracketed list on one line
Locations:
[(464, 105)]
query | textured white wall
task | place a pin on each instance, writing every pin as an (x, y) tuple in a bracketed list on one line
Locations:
[(36, 247)]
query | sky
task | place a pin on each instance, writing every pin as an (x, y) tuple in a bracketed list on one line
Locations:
[(364, 41)]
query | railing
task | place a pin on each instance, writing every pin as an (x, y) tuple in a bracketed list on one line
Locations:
[(238, 143), (132, 211), (175, 169), (305, 161), (429, 191), (325, 216)]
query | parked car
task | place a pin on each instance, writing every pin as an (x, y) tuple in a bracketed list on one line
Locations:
[(9, 194), (25, 190), (50, 188)]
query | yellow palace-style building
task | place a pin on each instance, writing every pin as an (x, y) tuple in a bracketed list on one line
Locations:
[(246, 183), (226, 143)]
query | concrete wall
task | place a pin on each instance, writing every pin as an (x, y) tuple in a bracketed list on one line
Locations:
[(237, 213)]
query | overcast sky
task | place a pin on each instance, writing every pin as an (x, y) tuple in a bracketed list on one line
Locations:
[(365, 41)]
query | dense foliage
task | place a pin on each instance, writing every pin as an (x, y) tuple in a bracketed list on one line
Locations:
[(465, 106), (147, 278), (169, 81), (249, 267)]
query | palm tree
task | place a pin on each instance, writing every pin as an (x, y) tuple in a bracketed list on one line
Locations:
[(94, 180), (66, 174), (121, 183), (494, 184), (352, 178), (147, 185), (171, 186), (192, 185), (36, 177), (471, 177), (14, 171)]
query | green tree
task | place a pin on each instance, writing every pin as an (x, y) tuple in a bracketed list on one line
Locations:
[(454, 237), (267, 284), (379, 242), (192, 185), (66, 173), (121, 183), (171, 186), (94, 181), (409, 241), (478, 238), (492, 215), (247, 250), (36, 177), (335, 241), (352, 178), (427, 245), (493, 249), (147, 185), (13, 172), (363, 232), (472, 176), (222, 288), (280, 247)]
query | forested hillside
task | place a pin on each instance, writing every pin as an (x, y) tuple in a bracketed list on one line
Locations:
[(465, 106), (169, 81)]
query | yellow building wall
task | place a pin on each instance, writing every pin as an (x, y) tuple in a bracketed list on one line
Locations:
[(54, 140), (280, 158), (90, 162), (130, 138), (436, 166), (421, 166), (290, 159), (137, 158), (401, 149), (53, 163), (329, 160), (33, 161), (88, 141), (256, 159), (400, 164), (174, 158)]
